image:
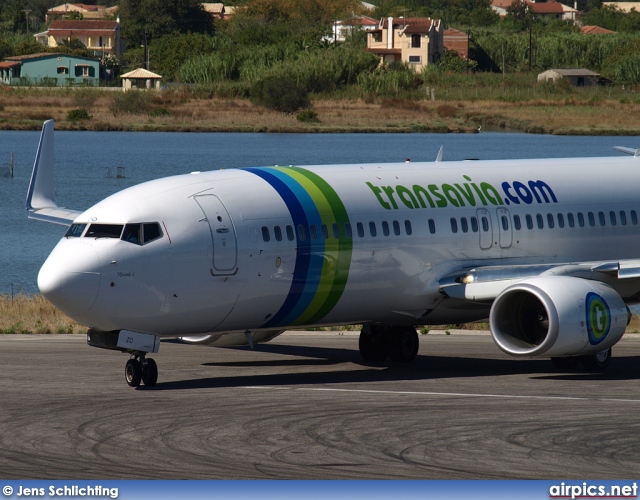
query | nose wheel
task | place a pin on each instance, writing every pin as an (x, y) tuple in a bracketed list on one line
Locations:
[(141, 369)]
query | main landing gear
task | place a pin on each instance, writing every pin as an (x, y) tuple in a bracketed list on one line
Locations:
[(141, 369), (593, 363), (377, 343)]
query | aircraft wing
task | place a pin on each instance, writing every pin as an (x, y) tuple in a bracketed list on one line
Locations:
[(485, 283), (41, 195)]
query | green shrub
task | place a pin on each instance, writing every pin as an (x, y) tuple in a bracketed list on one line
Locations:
[(134, 102), (159, 112), (308, 116), (78, 114), (280, 94)]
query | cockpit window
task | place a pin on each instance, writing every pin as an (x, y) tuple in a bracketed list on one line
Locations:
[(75, 230), (104, 231), (141, 234), (151, 232)]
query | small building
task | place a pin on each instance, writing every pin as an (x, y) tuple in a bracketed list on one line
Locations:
[(219, 10), (68, 10), (458, 41), (50, 70), (140, 79), (415, 40), (577, 77), (99, 36), (345, 28)]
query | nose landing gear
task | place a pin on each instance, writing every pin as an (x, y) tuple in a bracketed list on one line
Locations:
[(141, 369)]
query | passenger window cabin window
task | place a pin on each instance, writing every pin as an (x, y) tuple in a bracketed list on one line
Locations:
[(325, 231), (372, 229), (550, 221), (277, 233), (302, 234), (580, 219), (385, 228), (485, 224), (612, 218), (601, 218), (290, 235), (540, 221), (634, 218), (474, 224), (265, 234), (347, 229), (571, 220), (432, 226), (454, 225), (560, 221), (623, 217), (592, 219), (505, 222), (529, 220), (360, 229), (75, 231), (464, 225), (336, 231), (313, 232), (104, 231), (516, 223), (407, 228), (396, 228)]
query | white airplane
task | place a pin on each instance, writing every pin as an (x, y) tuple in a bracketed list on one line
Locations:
[(546, 249)]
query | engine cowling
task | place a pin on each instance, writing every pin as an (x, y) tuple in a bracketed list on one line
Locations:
[(557, 316), (231, 339)]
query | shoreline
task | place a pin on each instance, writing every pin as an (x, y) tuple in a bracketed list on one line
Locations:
[(173, 112)]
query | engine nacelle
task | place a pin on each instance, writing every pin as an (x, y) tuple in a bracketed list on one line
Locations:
[(557, 316)]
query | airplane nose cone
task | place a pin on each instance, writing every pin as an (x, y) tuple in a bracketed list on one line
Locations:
[(70, 277)]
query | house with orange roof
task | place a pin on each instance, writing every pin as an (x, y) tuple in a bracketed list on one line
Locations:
[(417, 41), (100, 36), (596, 30)]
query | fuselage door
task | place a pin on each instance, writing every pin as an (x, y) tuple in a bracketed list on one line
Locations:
[(223, 234), (504, 227), (486, 230)]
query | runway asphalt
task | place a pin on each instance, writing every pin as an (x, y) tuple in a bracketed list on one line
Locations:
[(305, 406)]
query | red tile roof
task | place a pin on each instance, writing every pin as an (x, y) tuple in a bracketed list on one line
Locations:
[(411, 24), (8, 64), (596, 30), (66, 28), (457, 40), (546, 7)]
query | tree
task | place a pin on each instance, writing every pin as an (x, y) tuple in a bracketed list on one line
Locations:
[(144, 20)]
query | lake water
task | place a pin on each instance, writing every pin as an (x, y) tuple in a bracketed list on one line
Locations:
[(85, 159)]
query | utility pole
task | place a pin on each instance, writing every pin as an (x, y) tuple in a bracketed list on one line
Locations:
[(26, 15)]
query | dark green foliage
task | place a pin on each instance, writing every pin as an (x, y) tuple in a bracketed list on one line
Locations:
[(611, 18), (168, 53), (308, 116), (280, 94), (145, 20), (78, 114), (392, 80), (28, 47)]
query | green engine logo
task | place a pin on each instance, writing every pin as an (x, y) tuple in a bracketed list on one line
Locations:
[(598, 318)]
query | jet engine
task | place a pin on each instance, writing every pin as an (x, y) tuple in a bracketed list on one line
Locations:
[(232, 339), (558, 316)]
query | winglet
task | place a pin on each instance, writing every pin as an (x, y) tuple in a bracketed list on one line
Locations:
[(439, 157), (41, 192), (628, 151)]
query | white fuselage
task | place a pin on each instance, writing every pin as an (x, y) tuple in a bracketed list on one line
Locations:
[(278, 247)]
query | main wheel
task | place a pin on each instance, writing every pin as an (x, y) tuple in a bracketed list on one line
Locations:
[(597, 362), (149, 372), (372, 345), (133, 372), (403, 344)]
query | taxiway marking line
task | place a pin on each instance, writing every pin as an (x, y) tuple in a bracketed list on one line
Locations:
[(450, 394)]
